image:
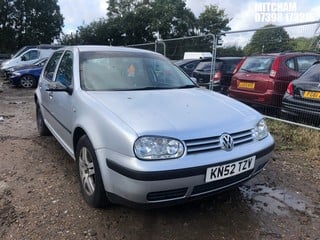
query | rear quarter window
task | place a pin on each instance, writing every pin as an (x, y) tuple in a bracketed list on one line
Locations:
[(312, 74), (304, 62)]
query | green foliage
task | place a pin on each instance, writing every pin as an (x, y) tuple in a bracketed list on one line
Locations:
[(28, 22), (292, 137), (135, 22), (213, 20), (269, 40), (230, 51), (306, 44), (7, 21)]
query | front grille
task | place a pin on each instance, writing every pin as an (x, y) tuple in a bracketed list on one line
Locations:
[(165, 195), (219, 184), (213, 143)]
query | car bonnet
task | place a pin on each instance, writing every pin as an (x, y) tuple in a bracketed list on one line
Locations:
[(183, 113)]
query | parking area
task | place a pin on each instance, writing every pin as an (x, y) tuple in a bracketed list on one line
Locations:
[(40, 194)]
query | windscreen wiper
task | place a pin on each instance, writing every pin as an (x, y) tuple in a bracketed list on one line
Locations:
[(246, 70), (186, 86)]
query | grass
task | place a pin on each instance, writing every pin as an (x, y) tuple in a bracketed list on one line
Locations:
[(292, 137)]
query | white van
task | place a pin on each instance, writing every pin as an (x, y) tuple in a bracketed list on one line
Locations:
[(197, 55), (28, 57)]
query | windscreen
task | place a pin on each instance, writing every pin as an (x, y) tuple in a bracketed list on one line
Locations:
[(206, 66), (257, 64), (119, 71)]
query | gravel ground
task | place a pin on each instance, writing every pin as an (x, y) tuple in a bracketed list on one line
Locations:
[(40, 195)]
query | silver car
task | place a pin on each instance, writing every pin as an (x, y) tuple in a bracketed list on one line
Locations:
[(142, 132)]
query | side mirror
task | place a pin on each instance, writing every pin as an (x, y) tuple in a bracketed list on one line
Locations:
[(23, 58), (59, 87)]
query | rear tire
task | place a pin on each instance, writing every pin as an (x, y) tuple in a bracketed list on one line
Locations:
[(42, 128), (91, 183)]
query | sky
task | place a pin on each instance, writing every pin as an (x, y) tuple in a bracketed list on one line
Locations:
[(244, 14)]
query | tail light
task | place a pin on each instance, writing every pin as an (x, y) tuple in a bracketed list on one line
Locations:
[(275, 68), (238, 66), (290, 89), (217, 77)]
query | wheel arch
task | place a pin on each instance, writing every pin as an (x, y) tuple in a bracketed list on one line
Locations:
[(78, 133)]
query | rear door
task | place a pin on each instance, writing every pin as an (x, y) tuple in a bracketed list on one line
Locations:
[(46, 79)]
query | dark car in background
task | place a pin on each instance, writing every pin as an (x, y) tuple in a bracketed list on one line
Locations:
[(189, 65), (224, 67), (302, 99), (263, 79), (26, 76)]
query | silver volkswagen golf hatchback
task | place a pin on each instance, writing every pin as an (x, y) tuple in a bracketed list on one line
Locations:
[(143, 133)]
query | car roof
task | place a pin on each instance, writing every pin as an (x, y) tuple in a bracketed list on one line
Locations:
[(286, 53), (103, 48), (229, 58)]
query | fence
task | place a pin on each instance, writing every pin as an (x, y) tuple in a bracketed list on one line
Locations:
[(264, 91)]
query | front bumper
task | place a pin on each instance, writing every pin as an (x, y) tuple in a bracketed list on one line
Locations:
[(167, 187)]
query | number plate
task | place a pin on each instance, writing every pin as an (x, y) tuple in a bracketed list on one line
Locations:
[(249, 85), (229, 170), (313, 95)]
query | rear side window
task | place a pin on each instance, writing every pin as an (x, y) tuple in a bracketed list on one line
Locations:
[(31, 55), (304, 62), (312, 74), (65, 69), (190, 66), (257, 64), (51, 66)]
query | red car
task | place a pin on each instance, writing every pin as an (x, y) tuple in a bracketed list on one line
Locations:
[(263, 79)]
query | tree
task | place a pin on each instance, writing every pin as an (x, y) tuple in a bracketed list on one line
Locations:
[(230, 51), (29, 22), (7, 19), (135, 22), (118, 8), (39, 21), (213, 20), (305, 44), (269, 39)]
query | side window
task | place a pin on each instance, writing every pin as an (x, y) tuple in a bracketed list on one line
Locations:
[(51, 66), (65, 69), (31, 55), (304, 62), (290, 63), (190, 66)]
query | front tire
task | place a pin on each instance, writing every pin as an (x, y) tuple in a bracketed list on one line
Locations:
[(91, 183), (28, 81)]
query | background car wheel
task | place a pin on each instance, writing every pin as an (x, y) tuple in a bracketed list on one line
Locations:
[(42, 128), (91, 184), (28, 81)]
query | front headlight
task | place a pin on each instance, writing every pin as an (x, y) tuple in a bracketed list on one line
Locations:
[(15, 74), (261, 130), (152, 148)]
